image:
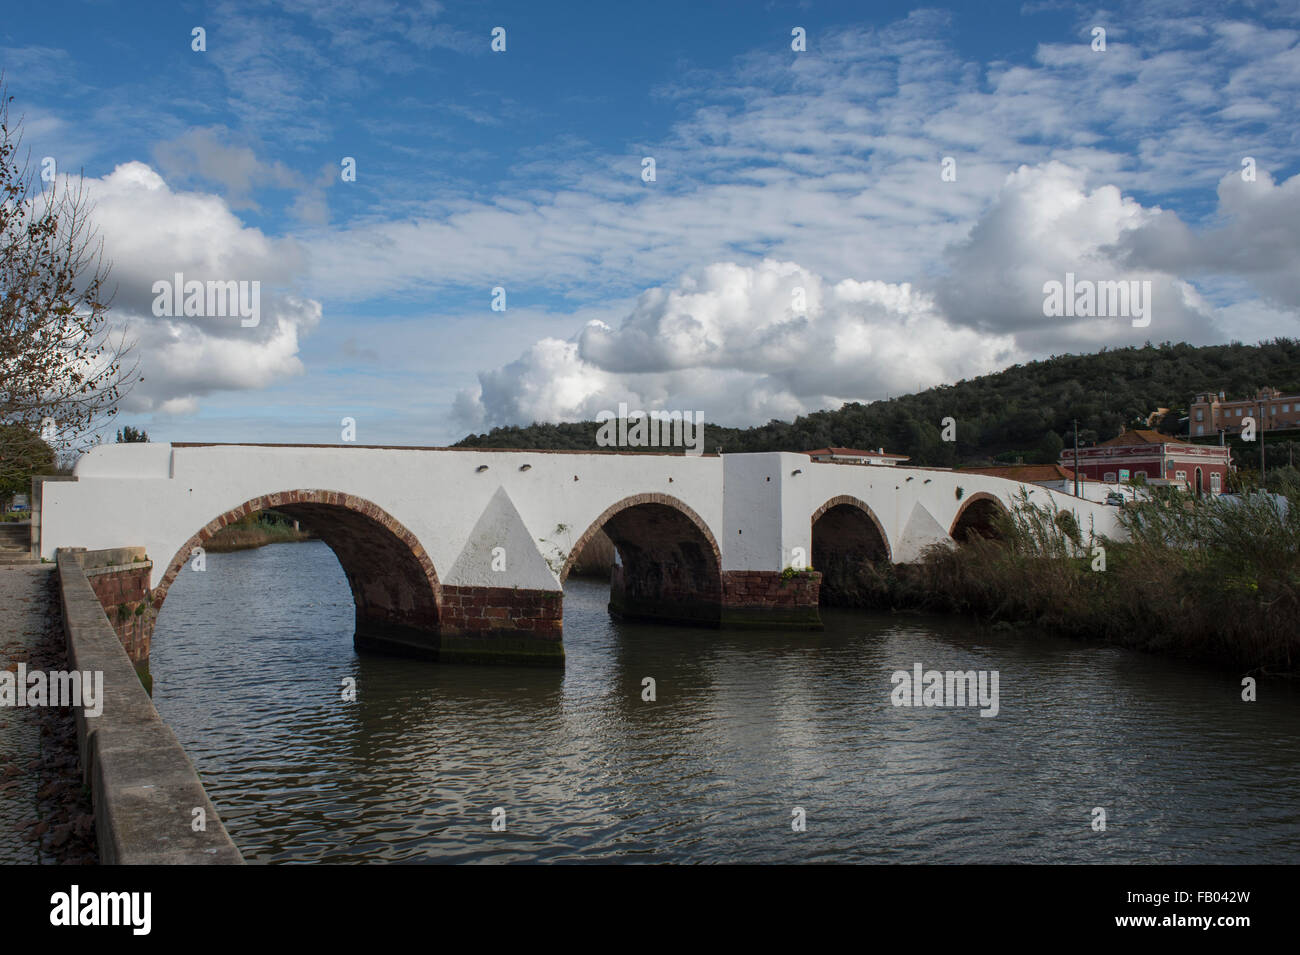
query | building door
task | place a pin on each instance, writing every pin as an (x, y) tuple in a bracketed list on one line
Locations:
[(1199, 481)]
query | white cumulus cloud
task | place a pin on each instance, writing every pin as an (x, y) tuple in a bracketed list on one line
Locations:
[(151, 233), (746, 342), (739, 343)]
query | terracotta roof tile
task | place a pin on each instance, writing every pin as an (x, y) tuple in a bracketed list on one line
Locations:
[(1028, 473), (854, 453), (1140, 436)]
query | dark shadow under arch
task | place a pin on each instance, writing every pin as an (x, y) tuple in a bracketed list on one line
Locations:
[(668, 567), (977, 517), (847, 538), (394, 585)]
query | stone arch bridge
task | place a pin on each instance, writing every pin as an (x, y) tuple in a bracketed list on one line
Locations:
[(461, 554)]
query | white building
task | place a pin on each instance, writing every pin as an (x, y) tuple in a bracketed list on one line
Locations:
[(854, 456)]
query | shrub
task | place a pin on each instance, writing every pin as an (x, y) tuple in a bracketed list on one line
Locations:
[(1213, 578)]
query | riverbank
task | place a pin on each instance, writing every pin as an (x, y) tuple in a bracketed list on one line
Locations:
[(258, 534), (1213, 580)]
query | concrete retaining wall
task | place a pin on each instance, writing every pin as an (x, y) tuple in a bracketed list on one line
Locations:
[(144, 787)]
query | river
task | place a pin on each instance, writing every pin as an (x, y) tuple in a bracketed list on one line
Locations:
[(250, 657)]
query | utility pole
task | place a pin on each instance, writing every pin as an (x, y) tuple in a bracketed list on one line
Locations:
[(1261, 445), (1076, 457)]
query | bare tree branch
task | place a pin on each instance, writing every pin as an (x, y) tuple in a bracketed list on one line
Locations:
[(63, 364)]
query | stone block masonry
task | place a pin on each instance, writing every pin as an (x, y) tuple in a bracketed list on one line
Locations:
[(761, 600), (123, 592), (501, 625), (751, 600)]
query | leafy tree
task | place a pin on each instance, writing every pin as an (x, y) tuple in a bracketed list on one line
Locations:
[(22, 454), (1049, 448), (130, 435)]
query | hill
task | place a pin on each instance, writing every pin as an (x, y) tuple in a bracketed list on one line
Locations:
[(1024, 411)]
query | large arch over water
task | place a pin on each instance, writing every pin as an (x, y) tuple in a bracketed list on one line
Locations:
[(394, 584)]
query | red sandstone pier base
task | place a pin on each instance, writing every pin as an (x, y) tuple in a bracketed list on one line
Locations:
[(771, 600), (750, 600), (502, 625)]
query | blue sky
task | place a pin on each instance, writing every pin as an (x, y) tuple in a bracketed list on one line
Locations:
[(775, 169)]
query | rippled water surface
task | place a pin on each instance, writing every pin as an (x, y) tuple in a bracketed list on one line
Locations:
[(249, 658)]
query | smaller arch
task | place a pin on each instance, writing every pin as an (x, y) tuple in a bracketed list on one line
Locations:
[(846, 539), (861, 505), (980, 524), (635, 500)]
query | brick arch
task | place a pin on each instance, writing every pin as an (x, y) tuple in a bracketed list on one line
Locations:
[(860, 505), (966, 504), (356, 530), (666, 500)]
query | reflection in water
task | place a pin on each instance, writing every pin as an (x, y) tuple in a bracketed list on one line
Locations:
[(249, 659)]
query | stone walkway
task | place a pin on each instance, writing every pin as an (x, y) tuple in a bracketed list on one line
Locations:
[(24, 610), (45, 814)]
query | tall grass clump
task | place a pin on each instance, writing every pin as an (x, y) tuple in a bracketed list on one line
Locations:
[(255, 530), (1215, 578)]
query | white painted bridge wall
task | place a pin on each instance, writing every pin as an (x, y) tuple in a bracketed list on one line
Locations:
[(756, 506)]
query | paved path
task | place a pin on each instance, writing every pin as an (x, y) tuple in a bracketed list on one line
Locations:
[(27, 608)]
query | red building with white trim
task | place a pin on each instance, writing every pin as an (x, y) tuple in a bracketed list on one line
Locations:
[(1199, 468)]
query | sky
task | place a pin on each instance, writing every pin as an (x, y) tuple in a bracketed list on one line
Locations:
[(874, 214)]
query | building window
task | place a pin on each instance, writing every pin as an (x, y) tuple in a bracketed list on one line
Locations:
[(1110, 477), (1216, 482), (1238, 412), (1274, 409), (1200, 415), (1200, 429), (1181, 476), (1286, 409)]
